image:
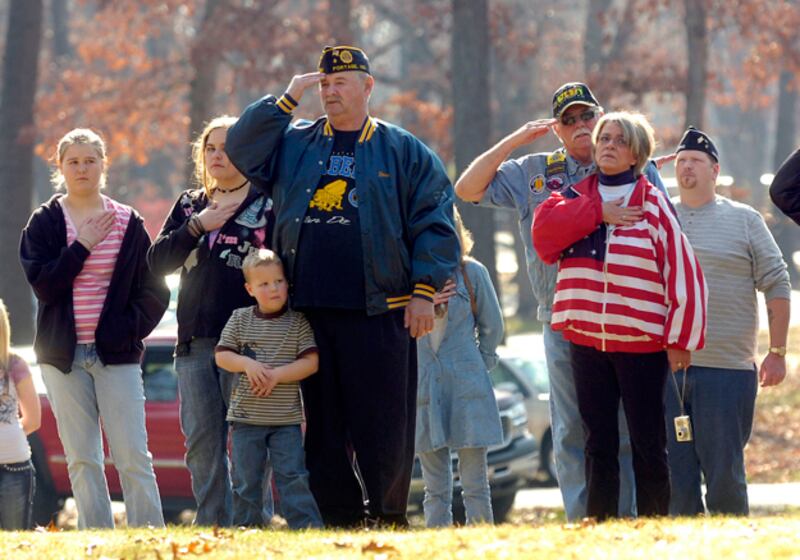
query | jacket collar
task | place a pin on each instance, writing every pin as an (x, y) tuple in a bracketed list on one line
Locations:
[(367, 130)]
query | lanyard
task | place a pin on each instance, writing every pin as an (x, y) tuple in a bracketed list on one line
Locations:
[(682, 392)]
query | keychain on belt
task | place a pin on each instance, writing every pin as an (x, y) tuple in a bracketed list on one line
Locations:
[(683, 424)]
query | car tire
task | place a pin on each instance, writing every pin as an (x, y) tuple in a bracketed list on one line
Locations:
[(547, 462)]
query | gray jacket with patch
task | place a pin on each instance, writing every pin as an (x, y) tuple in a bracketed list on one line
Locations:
[(522, 184)]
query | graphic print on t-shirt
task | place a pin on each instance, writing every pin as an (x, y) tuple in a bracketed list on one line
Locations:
[(329, 271), (335, 202)]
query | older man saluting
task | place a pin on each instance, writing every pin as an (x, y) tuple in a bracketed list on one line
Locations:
[(364, 225), (718, 392)]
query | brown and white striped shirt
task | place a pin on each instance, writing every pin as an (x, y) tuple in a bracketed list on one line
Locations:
[(275, 339)]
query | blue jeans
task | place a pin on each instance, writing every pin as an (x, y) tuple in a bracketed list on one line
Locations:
[(720, 403), (254, 447), (114, 394), (17, 484), (204, 394), (437, 472), (569, 437)]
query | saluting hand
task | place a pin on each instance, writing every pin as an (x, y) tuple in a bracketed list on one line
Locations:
[(95, 229), (301, 82), (532, 130), (663, 160)]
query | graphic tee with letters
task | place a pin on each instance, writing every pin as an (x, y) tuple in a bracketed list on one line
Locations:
[(329, 271), (274, 339)]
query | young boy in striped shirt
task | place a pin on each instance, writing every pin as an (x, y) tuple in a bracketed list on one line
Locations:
[(270, 349)]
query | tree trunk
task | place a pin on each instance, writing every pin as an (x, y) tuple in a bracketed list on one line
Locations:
[(205, 64), (59, 14), (17, 137), (472, 113), (785, 141), (697, 45), (340, 12), (593, 60)]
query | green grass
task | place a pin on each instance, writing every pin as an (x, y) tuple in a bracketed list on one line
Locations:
[(768, 537)]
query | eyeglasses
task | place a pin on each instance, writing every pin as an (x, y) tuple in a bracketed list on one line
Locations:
[(618, 141), (586, 116)]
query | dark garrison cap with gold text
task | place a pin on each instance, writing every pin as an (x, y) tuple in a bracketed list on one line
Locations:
[(343, 59)]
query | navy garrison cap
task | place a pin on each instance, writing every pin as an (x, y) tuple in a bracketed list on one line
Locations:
[(694, 139), (343, 59)]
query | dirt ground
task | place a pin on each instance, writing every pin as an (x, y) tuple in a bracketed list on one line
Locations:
[(773, 454)]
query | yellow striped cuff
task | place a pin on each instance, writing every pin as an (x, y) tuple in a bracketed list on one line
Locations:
[(286, 103), (424, 291)]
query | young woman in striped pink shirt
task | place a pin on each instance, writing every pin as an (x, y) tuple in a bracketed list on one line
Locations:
[(84, 255)]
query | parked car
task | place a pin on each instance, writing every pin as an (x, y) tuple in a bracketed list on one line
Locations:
[(508, 462), (522, 369)]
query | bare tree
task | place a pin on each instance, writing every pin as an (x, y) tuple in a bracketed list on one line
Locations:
[(205, 60), (17, 135), (341, 22), (472, 113), (697, 45)]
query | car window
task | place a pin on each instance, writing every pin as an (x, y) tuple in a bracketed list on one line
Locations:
[(502, 376), (535, 370), (160, 379)]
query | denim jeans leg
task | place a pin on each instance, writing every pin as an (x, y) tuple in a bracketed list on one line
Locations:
[(74, 402), (437, 473), (17, 485), (473, 472), (249, 459), (120, 399), (684, 466), (291, 477), (203, 412), (568, 435), (723, 404)]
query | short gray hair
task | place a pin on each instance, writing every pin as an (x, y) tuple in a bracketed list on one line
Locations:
[(637, 132)]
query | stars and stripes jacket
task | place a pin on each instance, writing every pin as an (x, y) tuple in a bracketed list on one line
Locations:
[(632, 288)]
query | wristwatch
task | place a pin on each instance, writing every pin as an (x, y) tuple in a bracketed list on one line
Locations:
[(779, 350)]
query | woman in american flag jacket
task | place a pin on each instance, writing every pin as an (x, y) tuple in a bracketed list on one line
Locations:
[(630, 297)]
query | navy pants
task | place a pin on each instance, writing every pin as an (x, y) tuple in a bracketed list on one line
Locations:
[(360, 412), (721, 404), (601, 379)]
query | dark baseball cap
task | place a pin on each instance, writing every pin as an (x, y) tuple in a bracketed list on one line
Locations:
[(572, 93)]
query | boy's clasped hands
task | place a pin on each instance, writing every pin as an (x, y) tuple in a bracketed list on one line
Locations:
[(262, 378)]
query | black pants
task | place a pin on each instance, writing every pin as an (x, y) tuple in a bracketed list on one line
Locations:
[(601, 378), (360, 411)]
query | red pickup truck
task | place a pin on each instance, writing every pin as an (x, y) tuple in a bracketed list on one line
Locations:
[(509, 463)]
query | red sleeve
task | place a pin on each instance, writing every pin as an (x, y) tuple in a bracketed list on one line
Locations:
[(560, 222)]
